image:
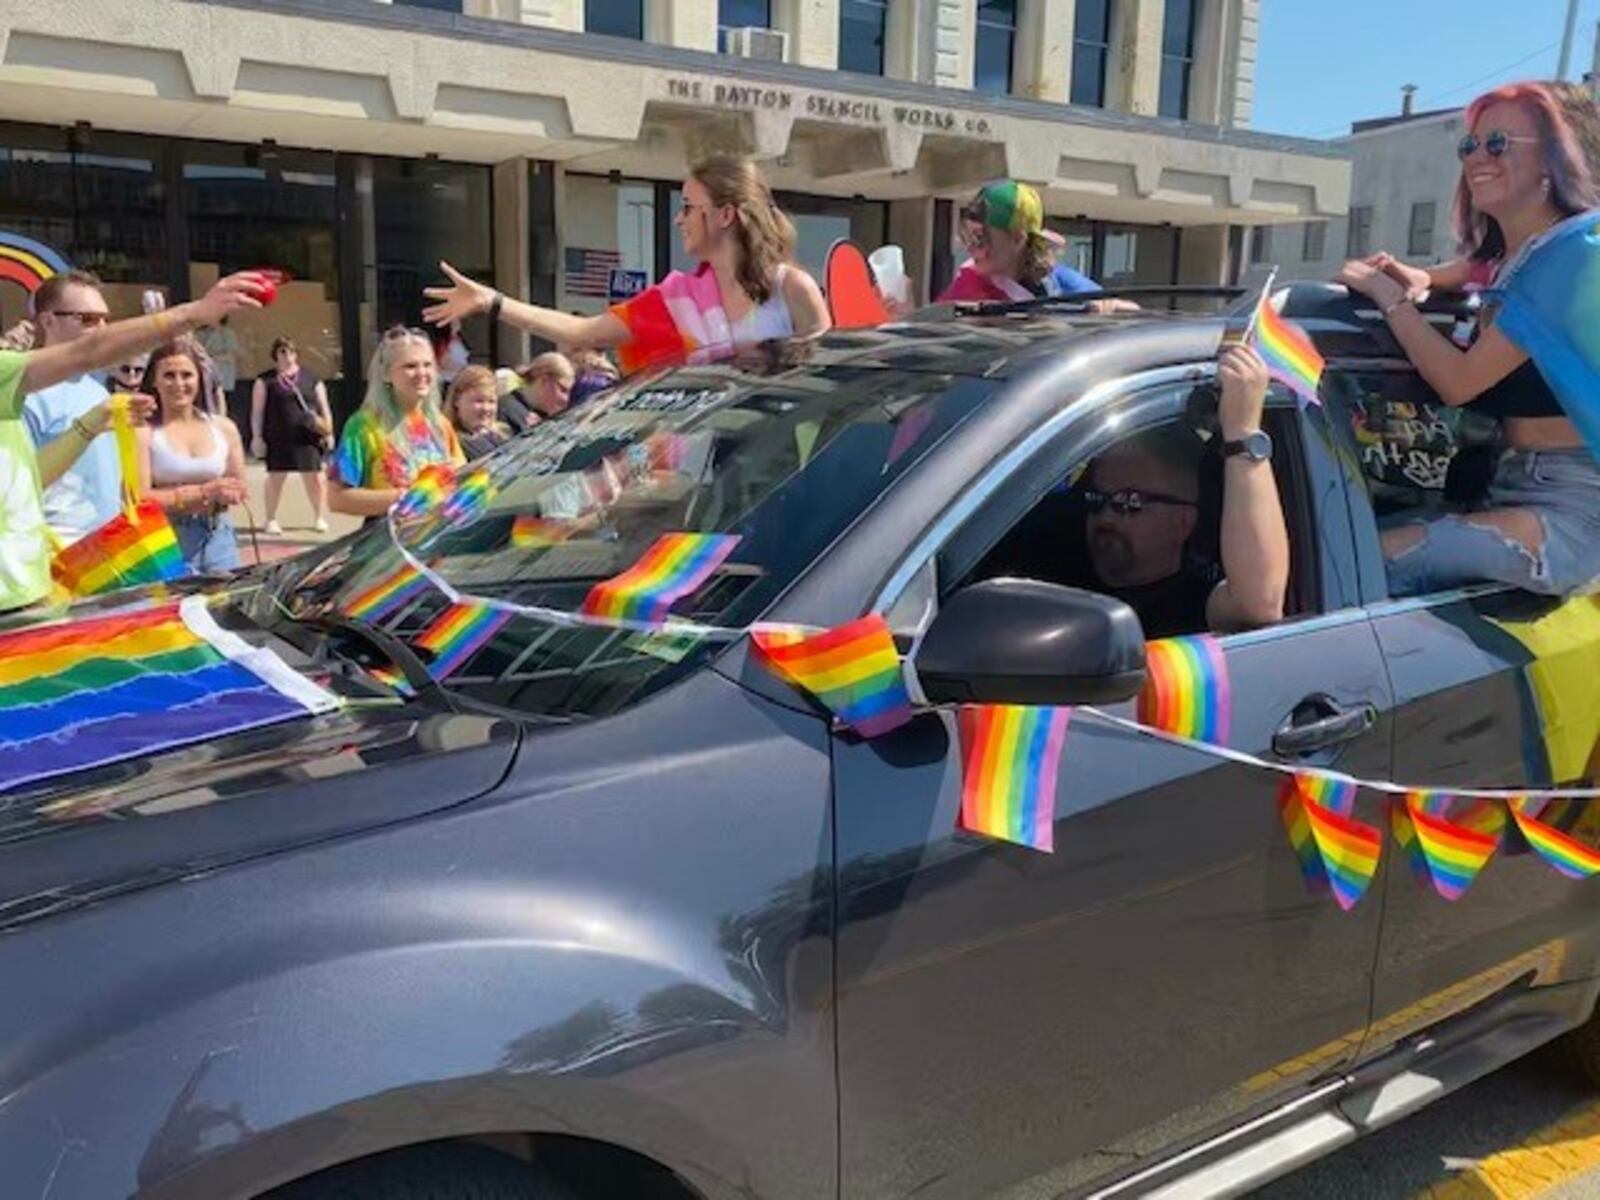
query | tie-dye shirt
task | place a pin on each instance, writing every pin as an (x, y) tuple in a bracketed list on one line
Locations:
[(370, 456)]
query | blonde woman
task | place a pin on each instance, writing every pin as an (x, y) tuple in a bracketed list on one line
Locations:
[(746, 289), (398, 430)]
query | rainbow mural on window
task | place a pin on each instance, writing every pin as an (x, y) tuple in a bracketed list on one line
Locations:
[(27, 262)]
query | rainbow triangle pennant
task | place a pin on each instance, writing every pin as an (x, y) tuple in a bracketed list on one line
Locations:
[(1561, 850), (675, 565), (1446, 854), (1290, 357), (1337, 853), (1186, 690), (458, 633), (388, 594), (853, 670), (1010, 757)]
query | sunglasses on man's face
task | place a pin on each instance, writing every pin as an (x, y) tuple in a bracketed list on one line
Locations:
[(1495, 144), (1128, 501)]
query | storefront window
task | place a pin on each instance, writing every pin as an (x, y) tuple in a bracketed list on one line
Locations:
[(1137, 255), (99, 202), (607, 226), (861, 35), (1091, 44), (1078, 252), (1177, 57), (261, 206), (618, 18), (995, 46)]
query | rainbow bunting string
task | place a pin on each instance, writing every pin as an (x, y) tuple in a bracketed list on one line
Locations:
[(1337, 853), (391, 592), (531, 533), (1445, 854), (1010, 757), (1562, 851), (458, 633), (852, 670), (127, 685), (1290, 357), (1186, 690), (674, 566)]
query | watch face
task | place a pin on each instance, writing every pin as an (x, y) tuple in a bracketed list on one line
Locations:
[(1258, 445)]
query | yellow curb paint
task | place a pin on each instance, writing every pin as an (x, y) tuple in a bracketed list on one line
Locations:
[(1537, 1164)]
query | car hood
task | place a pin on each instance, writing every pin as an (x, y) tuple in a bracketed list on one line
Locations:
[(95, 834)]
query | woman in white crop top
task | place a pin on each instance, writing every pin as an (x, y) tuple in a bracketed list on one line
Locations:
[(746, 289), (191, 462)]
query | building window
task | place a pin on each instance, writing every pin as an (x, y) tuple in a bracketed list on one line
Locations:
[(741, 14), (619, 18), (1420, 239), (1177, 57), (861, 35), (995, 46), (442, 5), (1315, 247), (1091, 45), (1261, 243), (1361, 231)]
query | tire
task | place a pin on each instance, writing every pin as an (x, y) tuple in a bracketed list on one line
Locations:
[(1581, 1049), (438, 1171)]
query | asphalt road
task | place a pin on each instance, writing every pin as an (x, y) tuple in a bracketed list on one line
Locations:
[(1531, 1129)]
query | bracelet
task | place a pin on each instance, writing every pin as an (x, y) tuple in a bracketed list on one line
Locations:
[(82, 430), (162, 322), (494, 307)]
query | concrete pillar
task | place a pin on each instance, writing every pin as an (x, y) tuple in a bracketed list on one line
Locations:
[(687, 24), (1203, 258), (930, 41), (955, 32), (813, 29), (513, 258), (911, 228), (1044, 49), (550, 14), (1134, 72)]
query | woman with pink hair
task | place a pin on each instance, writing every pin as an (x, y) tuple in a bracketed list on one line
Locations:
[(1522, 171)]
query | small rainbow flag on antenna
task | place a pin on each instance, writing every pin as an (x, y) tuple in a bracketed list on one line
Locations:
[(389, 593), (1010, 756), (674, 566), (1186, 690), (1446, 854), (1290, 357), (854, 670), (1562, 851), (458, 633), (1337, 853)]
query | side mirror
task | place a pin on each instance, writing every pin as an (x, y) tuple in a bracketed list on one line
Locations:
[(1018, 641)]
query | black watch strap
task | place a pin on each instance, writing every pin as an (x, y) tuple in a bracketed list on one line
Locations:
[(494, 307), (1255, 446)]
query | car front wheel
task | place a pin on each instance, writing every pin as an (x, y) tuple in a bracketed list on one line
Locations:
[(441, 1171)]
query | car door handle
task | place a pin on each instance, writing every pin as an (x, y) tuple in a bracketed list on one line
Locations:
[(1339, 725)]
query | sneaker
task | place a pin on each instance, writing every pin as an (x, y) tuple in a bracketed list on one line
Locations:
[(322, 525), (273, 529)]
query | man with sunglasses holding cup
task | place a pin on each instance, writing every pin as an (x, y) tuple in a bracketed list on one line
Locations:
[(1143, 506)]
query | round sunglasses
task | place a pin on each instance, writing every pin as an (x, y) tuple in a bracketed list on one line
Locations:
[(1496, 144)]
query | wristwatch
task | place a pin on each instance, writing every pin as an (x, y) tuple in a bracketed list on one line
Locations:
[(1256, 446)]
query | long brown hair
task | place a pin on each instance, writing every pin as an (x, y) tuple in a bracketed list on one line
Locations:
[(183, 347), (1038, 257), (766, 236)]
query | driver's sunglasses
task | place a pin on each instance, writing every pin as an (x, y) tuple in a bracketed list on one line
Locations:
[(1129, 501), (1496, 144)]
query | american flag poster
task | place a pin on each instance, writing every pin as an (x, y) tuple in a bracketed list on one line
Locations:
[(589, 271)]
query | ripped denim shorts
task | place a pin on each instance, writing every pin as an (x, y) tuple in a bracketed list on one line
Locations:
[(1562, 487)]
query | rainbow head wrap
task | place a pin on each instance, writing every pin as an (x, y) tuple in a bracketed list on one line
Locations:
[(1010, 759), (1186, 690), (1338, 854)]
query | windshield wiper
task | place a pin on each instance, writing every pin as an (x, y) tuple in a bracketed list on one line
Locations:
[(401, 655)]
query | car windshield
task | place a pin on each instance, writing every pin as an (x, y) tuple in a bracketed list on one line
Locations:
[(783, 460)]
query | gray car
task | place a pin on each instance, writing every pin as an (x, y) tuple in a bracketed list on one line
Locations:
[(614, 913)]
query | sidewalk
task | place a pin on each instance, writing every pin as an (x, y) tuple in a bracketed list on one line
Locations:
[(294, 514)]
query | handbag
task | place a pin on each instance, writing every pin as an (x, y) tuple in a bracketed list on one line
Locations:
[(136, 547), (314, 430)]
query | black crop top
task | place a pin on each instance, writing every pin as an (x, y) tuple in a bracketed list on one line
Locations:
[(1523, 393)]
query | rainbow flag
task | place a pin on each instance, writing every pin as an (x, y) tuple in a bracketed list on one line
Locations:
[(1290, 357), (470, 498), (852, 670), (390, 593), (458, 633), (136, 547), (531, 533), (680, 319), (1337, 853), (391, 677), (1186, 689), (85, 693), (1562, 851), (1010, 756), (429, 491), (674, 566), (1445, 854)]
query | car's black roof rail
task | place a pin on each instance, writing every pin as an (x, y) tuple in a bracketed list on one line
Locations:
[(1164, 291), (1310, 301)]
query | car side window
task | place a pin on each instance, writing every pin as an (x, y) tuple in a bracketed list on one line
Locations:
[(1135, 511)]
